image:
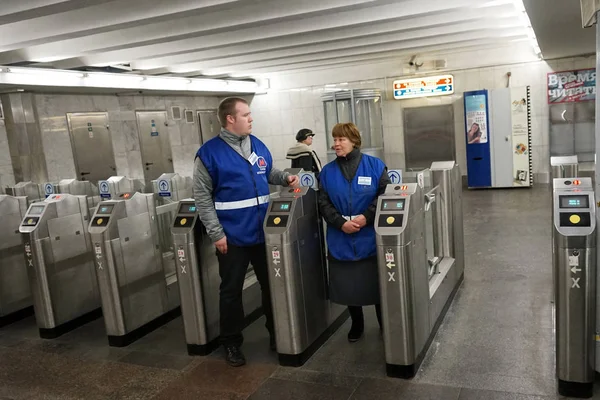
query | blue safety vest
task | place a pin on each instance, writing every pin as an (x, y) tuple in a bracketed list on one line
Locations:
[(240, 189), (352, 199)]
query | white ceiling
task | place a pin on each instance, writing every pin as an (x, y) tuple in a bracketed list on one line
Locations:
[(557, 25), (245, 38)]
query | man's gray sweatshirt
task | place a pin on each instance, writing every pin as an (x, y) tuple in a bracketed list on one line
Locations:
[(203, 185)]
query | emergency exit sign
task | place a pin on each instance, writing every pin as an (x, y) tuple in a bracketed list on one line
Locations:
[(423, 87)]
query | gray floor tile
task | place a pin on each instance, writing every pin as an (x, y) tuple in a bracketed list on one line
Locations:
[(156, 360), (472, 394), (322, 378), (388, 389), (292, 390)]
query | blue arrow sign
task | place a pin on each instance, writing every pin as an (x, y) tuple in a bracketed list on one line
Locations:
[(48, 189), (103, 187), (307, 179), (395, 176), (163, 186)]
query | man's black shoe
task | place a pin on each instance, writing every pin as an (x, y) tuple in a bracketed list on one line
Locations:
[(234, 356), (354, 335), (272, 344)]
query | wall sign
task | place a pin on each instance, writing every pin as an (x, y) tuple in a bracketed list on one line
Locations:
[(572, 86), (423, 87)]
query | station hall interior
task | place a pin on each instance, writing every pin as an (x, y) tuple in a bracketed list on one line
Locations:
[(483, 112)]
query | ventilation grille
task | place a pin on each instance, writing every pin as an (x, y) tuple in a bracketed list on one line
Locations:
[(189, 116), (176, 113)]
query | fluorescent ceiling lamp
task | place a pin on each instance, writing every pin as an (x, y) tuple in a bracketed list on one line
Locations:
[(524, 18), (62, 78)]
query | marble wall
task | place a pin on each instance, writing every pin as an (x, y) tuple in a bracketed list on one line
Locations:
[(184, 138), (279, 114), (24, 142), (7, 176)]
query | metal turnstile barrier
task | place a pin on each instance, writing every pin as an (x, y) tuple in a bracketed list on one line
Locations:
[(59, 264), (574, 264), (421, 263), (80, 188), (138, 295), (298, 277), (199, 282), (15, 295), (115, 185), (564, 167), (33, 191)]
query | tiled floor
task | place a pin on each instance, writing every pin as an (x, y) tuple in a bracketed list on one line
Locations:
[(496, 342)]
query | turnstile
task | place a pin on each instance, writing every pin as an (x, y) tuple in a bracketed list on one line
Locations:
[(59, 264), (564, 167), (199, 281), (80, 188), (137, 294), (574, 264), (15, 295), (115, 185), (33, 191), (303, 315), (418, 276)]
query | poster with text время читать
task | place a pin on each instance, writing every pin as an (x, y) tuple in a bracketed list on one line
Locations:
[(571, 86)]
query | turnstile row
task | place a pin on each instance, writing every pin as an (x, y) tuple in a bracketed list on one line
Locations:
[(123, 232)]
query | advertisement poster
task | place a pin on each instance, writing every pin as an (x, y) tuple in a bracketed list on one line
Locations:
[(571, 86), (476, 119), (520, 136)]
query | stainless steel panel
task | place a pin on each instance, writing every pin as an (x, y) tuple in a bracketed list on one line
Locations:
[(67, 237), (92, 146), (428, 135), (209, 124), (501, 138), (14, 284), (155, 144), (137, 243), (575, 315)]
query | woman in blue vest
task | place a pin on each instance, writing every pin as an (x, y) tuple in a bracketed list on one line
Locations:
[(348, 191)]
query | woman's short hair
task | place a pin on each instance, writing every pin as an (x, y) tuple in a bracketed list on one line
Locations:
[(347, 130)]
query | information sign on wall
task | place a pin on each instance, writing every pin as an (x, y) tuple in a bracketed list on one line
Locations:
[(571, 86), (423, 87)]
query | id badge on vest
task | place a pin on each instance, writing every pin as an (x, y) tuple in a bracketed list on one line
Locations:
[(253, 158), (364, 180)]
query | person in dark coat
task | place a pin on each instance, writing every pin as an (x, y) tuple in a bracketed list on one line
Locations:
[(348, 192), (302, 155)]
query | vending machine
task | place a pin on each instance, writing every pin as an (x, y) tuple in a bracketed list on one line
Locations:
[(498, 137)]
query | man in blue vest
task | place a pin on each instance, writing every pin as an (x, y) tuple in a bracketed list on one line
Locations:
[(232, 173)]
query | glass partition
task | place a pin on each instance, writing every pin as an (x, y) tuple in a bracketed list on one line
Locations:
[(363, 108)]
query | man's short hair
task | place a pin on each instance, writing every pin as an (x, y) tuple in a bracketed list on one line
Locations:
[(227, 107)]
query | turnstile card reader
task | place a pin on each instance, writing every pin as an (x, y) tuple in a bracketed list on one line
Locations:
[(137, 295), (574, 263), (59, 264), (417, 287), (15, 295), (303, 315), (199, 281)]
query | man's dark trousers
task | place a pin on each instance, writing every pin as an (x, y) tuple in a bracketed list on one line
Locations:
[(232, 269)]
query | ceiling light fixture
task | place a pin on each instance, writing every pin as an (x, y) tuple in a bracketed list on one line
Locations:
[(64, 78), (526, 23)]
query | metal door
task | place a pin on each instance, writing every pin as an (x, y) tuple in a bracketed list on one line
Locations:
[(92, 146), (209, 124), (428, 135), (154, 144), (500, 137)]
